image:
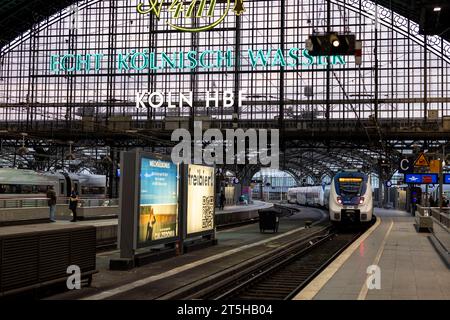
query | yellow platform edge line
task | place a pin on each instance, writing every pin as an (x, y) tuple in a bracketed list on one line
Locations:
[(311, 290)]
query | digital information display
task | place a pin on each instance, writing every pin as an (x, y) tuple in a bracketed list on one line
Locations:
[(158, 200), (421, 178), (446, 178), (200, 199)]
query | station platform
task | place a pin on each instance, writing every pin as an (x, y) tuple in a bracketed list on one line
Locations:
[(410, 267), (106, 229), (159, 279), (256, 205)]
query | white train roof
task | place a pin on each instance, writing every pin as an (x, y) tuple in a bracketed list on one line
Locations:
[(23, 176)]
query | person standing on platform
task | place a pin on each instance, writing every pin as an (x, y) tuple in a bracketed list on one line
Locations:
[(51, 195), (73, 204), (222, 201), (431, 202)]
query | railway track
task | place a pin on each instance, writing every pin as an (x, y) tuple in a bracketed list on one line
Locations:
[(287, 276), (280, 276)]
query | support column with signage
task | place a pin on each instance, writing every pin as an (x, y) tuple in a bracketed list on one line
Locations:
[(406, 165)]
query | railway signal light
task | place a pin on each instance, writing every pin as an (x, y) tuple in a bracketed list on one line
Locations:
[(434, 18), (384, 167), (334, 39), (331, 44)]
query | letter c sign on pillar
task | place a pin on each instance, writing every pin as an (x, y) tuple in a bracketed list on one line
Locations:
[(406, 165)]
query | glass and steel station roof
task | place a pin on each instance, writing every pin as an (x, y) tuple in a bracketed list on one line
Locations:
[(18, 16), (330, 117)]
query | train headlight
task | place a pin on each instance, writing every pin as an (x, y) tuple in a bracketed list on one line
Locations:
[(363, 217), (339, 200), (361, 200), (337, 216)]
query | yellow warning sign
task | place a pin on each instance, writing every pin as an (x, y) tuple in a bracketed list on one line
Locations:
[(421, 161), (435, 166)]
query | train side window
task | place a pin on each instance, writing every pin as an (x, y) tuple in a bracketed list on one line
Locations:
[(92, 190), (61, 187), (26, 188), (9, 188), (42, 189)]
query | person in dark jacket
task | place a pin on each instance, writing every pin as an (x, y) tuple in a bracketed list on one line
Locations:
[(222, 201), (73, 204), (51, 196), (431, 201)]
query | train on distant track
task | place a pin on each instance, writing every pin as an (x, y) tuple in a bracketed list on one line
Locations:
[(19, 183), (349, 198), (315, 196)]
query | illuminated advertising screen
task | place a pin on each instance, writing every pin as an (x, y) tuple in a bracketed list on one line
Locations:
[(200, 199), (158, 201)]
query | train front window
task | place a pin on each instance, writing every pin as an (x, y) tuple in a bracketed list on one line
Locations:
[(350, 186)]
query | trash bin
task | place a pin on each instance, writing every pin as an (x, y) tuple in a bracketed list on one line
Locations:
[(269, 219)]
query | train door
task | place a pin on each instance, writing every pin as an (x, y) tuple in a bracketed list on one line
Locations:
[(62, 187), (68, 184)]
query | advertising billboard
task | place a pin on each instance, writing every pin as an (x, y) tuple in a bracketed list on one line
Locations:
[(229, 195), (158, 200), (200, 199)]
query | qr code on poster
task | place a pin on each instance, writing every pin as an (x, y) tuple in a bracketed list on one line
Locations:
[(208, 212)]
